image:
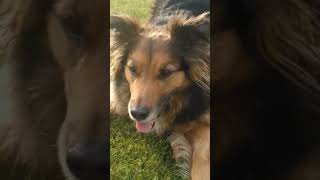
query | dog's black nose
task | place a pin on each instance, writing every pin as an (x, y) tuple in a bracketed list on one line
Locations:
[(140, 113), (88, 162)]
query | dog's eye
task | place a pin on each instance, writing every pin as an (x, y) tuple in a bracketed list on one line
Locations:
[(133, 70), (164, 74), (73, 29)]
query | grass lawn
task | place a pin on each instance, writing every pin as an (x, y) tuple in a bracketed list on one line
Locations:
[(133, 155)]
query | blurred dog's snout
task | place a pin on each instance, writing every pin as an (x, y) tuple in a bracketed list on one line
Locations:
[(139, 113), (88, 161)]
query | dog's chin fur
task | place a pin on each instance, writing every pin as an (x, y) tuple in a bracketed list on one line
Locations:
[(162, 125), (62, 154)]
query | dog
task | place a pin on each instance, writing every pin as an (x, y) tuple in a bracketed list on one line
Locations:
[(266, 58), (160, 77), (53, 122)]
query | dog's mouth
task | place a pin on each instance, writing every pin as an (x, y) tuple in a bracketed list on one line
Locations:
[(145, 127), (148, 125)]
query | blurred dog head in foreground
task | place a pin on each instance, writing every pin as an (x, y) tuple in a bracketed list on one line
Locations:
[(56, 64)]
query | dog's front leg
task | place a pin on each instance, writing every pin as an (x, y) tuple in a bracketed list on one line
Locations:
[(199, 139), (182, 153)]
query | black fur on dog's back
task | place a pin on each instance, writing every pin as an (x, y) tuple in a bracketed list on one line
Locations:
[(162, 9)]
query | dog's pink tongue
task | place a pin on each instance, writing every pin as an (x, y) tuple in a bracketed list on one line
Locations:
[(144, 127)]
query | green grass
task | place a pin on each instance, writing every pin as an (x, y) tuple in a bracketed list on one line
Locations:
[(138, 156), (136, 8), (133, 155)]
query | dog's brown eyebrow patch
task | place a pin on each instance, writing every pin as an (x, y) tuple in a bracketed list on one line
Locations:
[(171, 66), (131, 60)]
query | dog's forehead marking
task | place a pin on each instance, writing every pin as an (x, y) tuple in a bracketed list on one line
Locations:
[(156, 33), (150, 56), (149, 50)]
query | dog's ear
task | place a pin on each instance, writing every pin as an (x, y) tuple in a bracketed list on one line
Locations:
[(20, 17), (124, 32), (11, 20), (125, 28), (188, 32), (190, 40)]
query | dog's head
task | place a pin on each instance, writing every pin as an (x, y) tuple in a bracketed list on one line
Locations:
[(67, 40), (158, 65), (77, 39)]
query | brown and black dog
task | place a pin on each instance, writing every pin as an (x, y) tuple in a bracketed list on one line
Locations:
[(53, 89), (160, 77), (266, 56)]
